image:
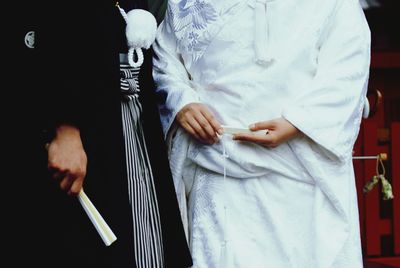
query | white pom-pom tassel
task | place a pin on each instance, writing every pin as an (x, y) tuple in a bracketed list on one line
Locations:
[(141, 28)]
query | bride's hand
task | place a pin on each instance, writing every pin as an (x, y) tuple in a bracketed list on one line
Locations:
[(199, 122), (277, 131)]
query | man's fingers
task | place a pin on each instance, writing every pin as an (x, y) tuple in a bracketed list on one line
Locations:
[(76, 187), (58, 175), (66, 183)]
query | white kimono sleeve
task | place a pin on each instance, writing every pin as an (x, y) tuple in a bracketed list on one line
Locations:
[(174, 87), (170, 75), (329, 110)]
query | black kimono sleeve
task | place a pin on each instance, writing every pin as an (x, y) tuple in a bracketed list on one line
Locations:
[(64, 47)]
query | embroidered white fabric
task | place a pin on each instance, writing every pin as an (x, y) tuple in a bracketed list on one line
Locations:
[(317, 81)]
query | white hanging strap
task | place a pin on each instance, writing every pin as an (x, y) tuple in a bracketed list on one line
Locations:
[(262, 33), (224, 256)]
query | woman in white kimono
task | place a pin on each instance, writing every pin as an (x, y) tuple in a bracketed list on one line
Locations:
[(298, 71)]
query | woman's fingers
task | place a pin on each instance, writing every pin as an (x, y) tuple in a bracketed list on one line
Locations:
[(189, 129), (200, 131), (266, 139), (216, 126), (198, 121), (205, 129), (270, 124), (278, 131)]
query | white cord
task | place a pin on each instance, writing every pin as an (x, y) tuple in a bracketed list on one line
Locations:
[(224, 245), (139, 54), (123, 13)]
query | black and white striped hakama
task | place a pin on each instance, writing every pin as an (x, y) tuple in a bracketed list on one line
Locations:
[(146, 220)]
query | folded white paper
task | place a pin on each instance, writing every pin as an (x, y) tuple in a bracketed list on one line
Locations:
[(99, 223), (236, 130)]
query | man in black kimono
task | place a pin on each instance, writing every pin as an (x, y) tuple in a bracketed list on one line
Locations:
[(75, 60)]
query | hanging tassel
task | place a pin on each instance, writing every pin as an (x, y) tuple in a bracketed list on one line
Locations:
[(141, 31), (370, 184), (387, 191)]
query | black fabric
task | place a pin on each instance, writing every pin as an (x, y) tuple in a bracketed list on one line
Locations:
[(24, 181), (73, 76)]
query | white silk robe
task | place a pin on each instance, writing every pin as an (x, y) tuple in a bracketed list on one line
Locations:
[(249, 61)]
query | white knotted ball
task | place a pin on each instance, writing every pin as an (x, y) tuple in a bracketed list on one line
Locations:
[(141, 28)]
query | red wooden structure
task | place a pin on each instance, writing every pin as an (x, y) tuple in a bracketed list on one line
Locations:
[(379, 219)]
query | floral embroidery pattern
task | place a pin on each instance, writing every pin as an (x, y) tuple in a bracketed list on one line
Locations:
[(190, 19)]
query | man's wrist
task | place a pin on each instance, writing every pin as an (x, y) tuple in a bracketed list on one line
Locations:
[(67, 129)]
